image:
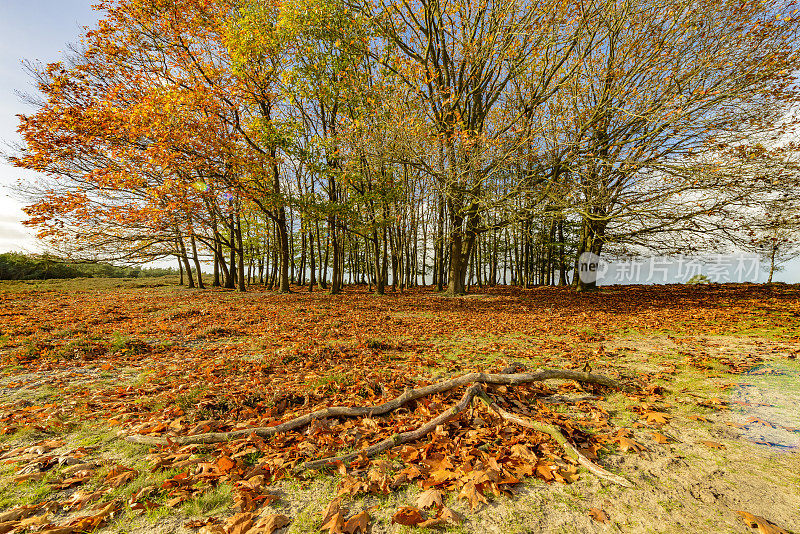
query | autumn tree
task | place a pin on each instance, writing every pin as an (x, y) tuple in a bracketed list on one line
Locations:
[(638, 126)]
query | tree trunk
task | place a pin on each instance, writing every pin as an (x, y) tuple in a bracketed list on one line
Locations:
[(230, 281), (240, 275), (380, 287), (336, 273), (283, 241), (312, 279), (197, 262), (185, 259), (592, 234), (772, 262), (457, 273), (215, 282), (562, 264)]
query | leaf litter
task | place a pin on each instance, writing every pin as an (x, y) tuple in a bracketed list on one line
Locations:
[(190, 388)]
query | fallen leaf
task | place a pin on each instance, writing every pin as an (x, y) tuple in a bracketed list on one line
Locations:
[(408, 516), (656, 418), (764, 525), (267, 524), (15, 514), (598, 515), (660, 438), (34, 521), (121, 479), (713, 444), (471, 493), (334, 524), (197, 523), (92, 522), (429, 498), (225, 464), (239, 523), (357, 523), (446, 517)]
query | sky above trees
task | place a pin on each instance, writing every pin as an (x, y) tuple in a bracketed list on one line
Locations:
[(32, 30)]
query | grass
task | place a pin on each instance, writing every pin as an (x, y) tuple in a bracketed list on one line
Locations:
[(24, 493), (331, 380), (25, 434), (186, 400), (307, 520), (105, 442), (86, 284), (212, 502)]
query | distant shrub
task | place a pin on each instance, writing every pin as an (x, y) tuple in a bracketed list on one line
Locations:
[(17, 266), (698, 279)]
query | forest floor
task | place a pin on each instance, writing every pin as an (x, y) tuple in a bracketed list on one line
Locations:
[(708, 431)]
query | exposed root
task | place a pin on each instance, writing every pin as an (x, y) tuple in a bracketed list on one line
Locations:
[(399, 439), (476, 390), (558, 437), (380, 409)]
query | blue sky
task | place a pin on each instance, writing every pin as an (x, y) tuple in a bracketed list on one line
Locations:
[(33, 30), (40, 30)]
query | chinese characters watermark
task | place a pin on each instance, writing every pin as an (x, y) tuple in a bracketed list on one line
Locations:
[(670, 269)]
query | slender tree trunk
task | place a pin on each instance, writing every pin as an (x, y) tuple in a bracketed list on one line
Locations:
[(301, 275), (380, 276), (230, 282), (185, 259), (772, 262), (440, 246), (196, 262), (562, 264), (283, 237), (312, 268), (215, 282), (333, 232), (240, 275), (592, 234), (219, 253)]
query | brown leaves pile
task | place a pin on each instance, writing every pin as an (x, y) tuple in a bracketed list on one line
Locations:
[(335, 519), (309, 360), (264, 522)]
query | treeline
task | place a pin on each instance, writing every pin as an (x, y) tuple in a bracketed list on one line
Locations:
[(17, 266), (433, 142)]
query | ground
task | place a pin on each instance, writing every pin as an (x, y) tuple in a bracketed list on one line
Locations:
[(707, 426)]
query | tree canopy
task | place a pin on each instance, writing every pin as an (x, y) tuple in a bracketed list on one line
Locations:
[(473, 140)]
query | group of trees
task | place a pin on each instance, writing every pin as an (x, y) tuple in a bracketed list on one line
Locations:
[(442, 142), (17, 266)]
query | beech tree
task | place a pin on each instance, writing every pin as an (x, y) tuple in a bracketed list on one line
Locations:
[(640, 112), (480, 141)]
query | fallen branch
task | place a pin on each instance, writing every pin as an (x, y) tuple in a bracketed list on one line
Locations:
[(558, 437), (380, 409), (399, 439), (474, 391)]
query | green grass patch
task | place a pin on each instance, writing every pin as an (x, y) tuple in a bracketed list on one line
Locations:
[(215, 501)]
